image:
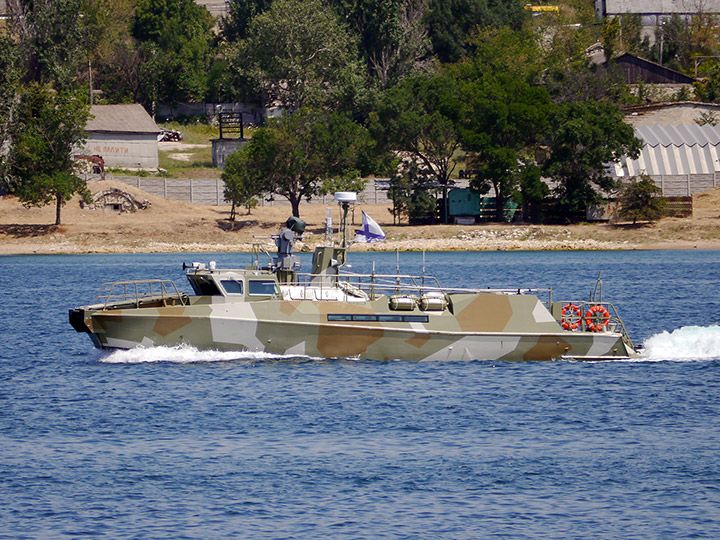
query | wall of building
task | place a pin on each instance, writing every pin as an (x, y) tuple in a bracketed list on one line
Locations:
[(127, 151), (222, 148), (656, 7), (654, 12), (669, 114)]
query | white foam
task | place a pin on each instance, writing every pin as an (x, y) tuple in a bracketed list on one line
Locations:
[(184, 354), (686, 343)]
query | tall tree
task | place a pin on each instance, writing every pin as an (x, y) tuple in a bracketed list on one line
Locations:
[(506, 119), (48, 127), (301, 55), (584, 137), (9, 76), (113, 61), (413, 191), (177, 37), (420, 116), (452, 22), (392, 34), (504, 115), (303, 153), (235, 24), (51, 38)]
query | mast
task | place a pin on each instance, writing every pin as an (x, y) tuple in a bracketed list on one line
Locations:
[(344, 198)]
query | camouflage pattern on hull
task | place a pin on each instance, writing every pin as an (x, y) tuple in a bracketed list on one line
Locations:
[(480, 326), (334, 314)]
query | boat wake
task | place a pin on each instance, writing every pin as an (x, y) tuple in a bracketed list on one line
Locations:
[(689, 343), (187, 354)]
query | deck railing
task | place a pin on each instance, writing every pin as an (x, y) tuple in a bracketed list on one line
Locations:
[(139, 292), (578, 320)]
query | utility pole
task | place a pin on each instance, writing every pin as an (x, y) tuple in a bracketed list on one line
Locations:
[(90, 79)]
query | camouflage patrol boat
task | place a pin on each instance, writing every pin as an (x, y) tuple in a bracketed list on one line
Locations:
[(333, 313)]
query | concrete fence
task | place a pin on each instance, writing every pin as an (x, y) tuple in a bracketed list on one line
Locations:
[(210, 191), (685, 185)]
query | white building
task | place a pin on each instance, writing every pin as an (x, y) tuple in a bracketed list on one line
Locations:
[(652, 10), (682, 159), (653, 13), (124, 136)]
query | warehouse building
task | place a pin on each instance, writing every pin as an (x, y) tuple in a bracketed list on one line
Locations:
[(124, 136), (682, 160)]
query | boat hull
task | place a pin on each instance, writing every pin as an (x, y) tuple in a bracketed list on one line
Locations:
[(491, 328)]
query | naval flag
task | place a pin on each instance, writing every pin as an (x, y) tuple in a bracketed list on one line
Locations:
[(370, 232)]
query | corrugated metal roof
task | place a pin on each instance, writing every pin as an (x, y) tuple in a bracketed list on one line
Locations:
[(121, 119), (683, 149)]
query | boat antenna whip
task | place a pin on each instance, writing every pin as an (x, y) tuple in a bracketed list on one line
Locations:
[(598, 288), (344, 198)]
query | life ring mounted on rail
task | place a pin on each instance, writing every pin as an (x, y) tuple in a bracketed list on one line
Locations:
[(597, 318), (570, 317)]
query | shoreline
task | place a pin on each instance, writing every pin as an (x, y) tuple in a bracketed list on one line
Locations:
[(169, 226), (429, 246)]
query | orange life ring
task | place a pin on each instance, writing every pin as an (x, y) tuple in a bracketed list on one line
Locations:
[(597, 318), (571, 316)]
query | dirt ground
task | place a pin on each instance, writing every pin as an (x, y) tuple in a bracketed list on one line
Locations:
[(174, 226)]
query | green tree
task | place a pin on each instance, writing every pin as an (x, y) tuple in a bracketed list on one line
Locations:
[(641, 199), (414, 193), (113, 63), (631, 35), (49, 126), (300, 53), (243, 183), (708, 89), (672, 43), (420, 117), (452, 22), (304, 153), (235, 24), (9, 75), (583, 138), (504, 118), (392, 36), (610, 35), (176, 35), (533, 191), (51, 39)]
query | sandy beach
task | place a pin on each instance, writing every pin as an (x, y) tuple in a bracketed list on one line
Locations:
[(174, 226)]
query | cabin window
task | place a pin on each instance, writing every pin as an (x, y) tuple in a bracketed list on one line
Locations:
[(390, 318), (415, 318), (232, 286), (263, 287), (204, 286), (377, 318)]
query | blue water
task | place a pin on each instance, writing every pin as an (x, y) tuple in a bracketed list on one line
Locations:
[(179, 443)]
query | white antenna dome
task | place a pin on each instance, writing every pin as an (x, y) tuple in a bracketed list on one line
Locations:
[(345, 196)]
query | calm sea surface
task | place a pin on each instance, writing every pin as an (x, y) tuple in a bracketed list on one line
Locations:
[(179, 443)]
